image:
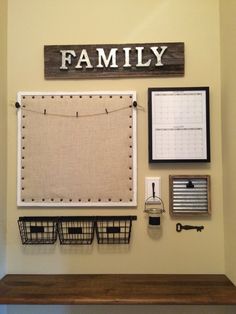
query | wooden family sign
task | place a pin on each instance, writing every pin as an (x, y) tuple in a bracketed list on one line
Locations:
[(107, 61)]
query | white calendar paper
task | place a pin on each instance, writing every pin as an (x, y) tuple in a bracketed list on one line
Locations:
[(179, 125)]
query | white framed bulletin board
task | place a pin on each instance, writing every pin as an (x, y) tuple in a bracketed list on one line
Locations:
[(77, 149), (179, 124)]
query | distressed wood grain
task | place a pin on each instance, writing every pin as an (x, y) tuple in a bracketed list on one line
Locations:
[(118, 289), (172, 60)]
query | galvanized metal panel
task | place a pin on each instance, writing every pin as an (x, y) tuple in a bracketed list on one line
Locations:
[(189, 195)]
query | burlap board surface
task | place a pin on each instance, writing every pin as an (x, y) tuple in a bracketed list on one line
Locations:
[(76, 149)]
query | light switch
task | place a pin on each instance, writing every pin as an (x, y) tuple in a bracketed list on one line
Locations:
[(152, 189)]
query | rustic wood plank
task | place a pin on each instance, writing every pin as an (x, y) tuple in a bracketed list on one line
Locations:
[(87, 56), (118, 289)]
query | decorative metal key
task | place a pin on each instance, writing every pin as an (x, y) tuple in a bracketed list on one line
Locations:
[(180, 227)]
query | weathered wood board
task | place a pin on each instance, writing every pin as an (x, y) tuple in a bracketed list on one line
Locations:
[(108, 61)]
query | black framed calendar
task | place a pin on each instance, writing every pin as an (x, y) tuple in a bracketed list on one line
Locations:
[(179, 124)]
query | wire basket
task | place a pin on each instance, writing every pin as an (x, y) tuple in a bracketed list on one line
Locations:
[(114, 229), (38, 230), (76, 230)]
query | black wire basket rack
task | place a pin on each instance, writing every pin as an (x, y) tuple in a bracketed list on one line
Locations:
[(76, 230), (38, 230)]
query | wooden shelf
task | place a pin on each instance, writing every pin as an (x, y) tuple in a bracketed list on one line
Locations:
[(118, 289)]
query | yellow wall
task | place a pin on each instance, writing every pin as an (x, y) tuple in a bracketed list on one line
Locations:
[(32, 24), (3, 119), (228, 48)]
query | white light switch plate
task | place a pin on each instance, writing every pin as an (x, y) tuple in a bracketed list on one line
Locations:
[(149, 188)]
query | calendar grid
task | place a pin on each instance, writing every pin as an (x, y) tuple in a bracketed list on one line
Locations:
[(179, 124)]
